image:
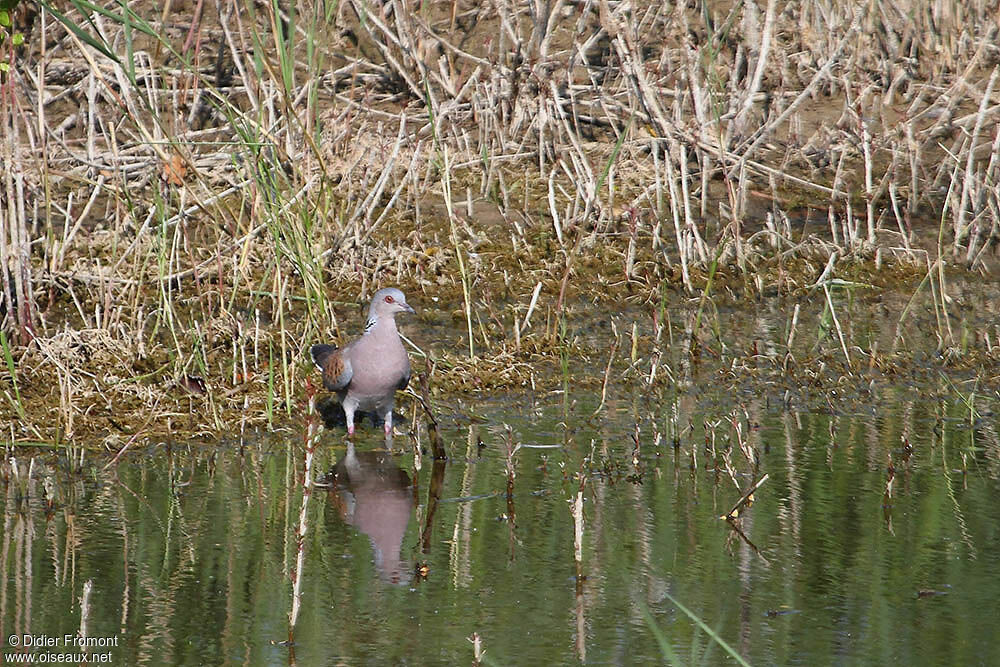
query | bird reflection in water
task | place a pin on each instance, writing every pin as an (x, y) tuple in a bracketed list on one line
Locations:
[(375, 496)]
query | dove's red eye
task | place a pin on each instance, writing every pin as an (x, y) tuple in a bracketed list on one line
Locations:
[(389, 299)]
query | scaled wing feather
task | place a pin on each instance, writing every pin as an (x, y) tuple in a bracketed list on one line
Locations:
[(334, 365)]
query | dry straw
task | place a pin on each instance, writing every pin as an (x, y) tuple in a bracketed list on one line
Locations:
[(213, 183)]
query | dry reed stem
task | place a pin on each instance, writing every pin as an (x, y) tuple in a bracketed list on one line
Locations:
[(187, 191)]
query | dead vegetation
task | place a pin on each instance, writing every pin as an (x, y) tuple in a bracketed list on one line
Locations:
[(199, 191)]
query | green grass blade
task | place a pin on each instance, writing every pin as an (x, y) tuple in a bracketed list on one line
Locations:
[(614, 155), (661, 639), (709, 631), (80, 33), (9, 359)]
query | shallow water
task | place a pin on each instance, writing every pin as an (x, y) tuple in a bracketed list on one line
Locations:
[(190, 550)]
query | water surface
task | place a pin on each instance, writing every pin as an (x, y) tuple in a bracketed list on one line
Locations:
[(189, 550)]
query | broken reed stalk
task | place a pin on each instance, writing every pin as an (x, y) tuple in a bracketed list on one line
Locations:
[(449, 206), (477, 648), (527, 316), (577, 509), (792, 327), (607, 371), (637, 453), (836, 323), (745, 499), (510, 450), (890, 478), (153, 414), (961, 230), (437, 446), (312, 434), (908, 307), (85, 611), (743, 439), (16, 285)]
